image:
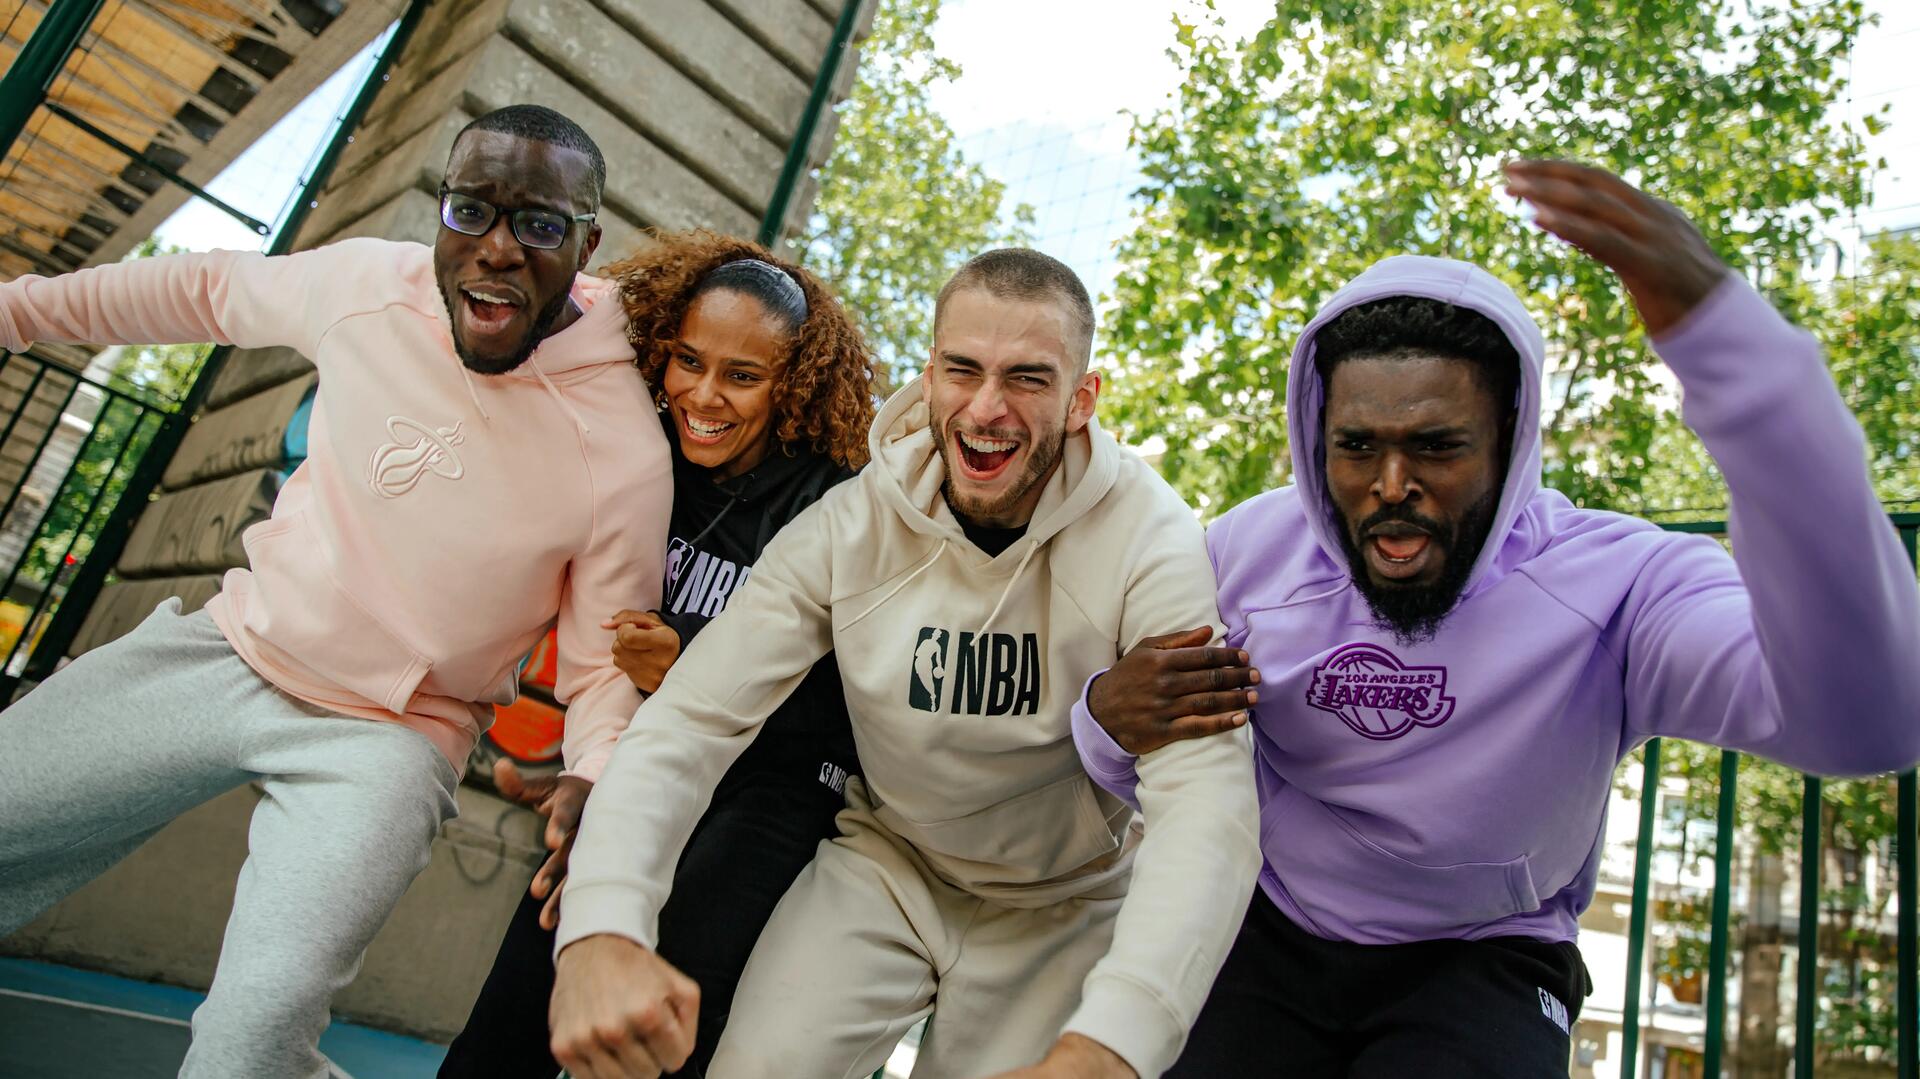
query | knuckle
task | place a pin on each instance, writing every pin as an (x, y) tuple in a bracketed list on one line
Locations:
[(610, 1033), (646, 1017)]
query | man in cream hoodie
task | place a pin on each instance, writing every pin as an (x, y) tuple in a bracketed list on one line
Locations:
[(484, 462), (999, 550)]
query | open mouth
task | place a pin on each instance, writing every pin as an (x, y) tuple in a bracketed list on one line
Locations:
[(984, 458), (489, 310), (705, 432), (1400, 551)]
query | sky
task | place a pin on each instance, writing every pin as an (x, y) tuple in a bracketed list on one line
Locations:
[(261, 181), (1045, 108)]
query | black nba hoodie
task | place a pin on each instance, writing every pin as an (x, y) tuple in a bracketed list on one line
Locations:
[(719, 529)]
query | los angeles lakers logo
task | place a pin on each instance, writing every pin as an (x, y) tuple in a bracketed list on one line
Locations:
[(416, 451)]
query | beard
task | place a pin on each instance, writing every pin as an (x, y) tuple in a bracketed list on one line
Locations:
[(543, 321), (1413, 612), (1043, 452)]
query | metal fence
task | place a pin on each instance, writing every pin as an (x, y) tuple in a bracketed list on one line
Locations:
[(1906, 1051), (69, 442)]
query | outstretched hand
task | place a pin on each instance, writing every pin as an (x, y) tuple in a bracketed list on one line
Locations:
[(560, 799), (1173, 687), (1661, 258)]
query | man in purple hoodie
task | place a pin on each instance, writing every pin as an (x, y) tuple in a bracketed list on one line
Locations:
[(1444, 661)]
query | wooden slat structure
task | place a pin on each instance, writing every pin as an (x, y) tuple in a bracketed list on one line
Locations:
[(188, 84)]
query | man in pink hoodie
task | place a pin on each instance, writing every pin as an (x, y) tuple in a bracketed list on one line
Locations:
[(485, 462)]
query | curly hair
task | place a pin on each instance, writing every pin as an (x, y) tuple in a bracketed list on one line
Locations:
[(823, 395), (1400, 327)]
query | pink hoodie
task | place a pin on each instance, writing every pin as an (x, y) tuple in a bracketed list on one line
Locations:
[(443, 521)]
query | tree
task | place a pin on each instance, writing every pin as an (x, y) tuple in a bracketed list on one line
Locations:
[(1348, 130), (900, 206)]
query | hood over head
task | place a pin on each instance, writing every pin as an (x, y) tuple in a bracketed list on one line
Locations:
[(1449, 281)]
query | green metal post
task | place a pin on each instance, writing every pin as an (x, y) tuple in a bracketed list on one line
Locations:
[(1637, 919), (32, 72), (146, 477), (1806, 996), (1722, 897), (1906, 1012), (776, 216), (316, 181)]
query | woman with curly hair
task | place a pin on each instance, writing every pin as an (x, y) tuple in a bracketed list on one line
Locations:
[(766, 389)]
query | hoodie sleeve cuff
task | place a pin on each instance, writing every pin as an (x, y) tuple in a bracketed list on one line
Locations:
[(593, 910), (591, 764), (1132, 1021), (1110, 766)]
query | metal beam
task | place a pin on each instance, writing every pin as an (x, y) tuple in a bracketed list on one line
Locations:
[(1637, 916), (160, 170), (30, 75), (774, 222), (1807, 985), (1716, 1032)]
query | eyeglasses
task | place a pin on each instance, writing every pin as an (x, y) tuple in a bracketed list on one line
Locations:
[(542, 229)]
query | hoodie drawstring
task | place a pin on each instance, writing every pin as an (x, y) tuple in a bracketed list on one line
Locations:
[(904, 582), (922, 567), (558, 396), (474, 395), (1008, 591)]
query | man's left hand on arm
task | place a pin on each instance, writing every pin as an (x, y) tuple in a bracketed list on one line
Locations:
[(1076, 1056), (1662, 259), (1172, 687)]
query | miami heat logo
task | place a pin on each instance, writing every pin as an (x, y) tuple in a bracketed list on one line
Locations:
[(415, 451), (1368, 688)]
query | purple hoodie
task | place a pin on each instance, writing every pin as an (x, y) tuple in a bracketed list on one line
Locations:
[(1458, 787)]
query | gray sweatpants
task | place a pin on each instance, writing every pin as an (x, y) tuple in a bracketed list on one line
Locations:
[(103, 754)]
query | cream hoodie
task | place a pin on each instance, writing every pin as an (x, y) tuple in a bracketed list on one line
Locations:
[(961, 671), (443, 521)]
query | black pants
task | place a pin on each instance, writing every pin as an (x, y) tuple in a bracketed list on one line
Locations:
[(1290, 1005), (760, 831)]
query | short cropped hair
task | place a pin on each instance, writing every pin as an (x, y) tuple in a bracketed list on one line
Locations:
[(1402, 327), (541, 124), (1019, 273)]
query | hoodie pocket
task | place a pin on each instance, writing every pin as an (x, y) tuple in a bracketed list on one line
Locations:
[(301, 610), (1033, 837), (1342, 878)]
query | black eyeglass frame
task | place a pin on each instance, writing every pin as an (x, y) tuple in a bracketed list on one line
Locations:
[(517, 219)]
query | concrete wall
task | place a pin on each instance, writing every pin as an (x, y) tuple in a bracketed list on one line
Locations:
[(159, 914), (693, 103)]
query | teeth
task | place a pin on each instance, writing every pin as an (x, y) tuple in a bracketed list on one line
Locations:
[(486, 297), (985, 445), (706, 427)]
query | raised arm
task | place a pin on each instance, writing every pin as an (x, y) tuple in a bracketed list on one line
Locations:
[(655, 787), (227, 297), (1195, 868), (1801, 647)]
